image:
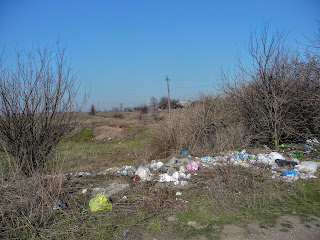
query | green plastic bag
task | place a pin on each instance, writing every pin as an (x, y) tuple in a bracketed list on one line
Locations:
[(99, 203)]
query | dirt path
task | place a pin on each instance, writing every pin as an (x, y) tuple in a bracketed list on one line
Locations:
[(287, 228)]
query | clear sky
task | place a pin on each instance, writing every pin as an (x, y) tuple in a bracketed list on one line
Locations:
[(123, 50)]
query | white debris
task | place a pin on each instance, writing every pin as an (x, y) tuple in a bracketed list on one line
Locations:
[(275, 155), (144, 173), (307, 166)]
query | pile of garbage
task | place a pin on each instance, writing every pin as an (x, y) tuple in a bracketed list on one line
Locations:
[(285, 165), (173, 171), (178, 170)]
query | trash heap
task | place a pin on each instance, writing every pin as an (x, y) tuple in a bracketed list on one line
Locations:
[(285, 165), (175, 170), (178, 170)]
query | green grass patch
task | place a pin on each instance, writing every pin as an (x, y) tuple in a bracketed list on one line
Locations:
[(81, 136)]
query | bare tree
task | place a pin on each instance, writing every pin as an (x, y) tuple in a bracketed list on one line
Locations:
[(273, 94), (174, 103), (259, 89), (153, 102), (37, 105), (92, 110)]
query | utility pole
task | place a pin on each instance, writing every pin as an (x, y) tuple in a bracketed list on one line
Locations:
[(168, 96)]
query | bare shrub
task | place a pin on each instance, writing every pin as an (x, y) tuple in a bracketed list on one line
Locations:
[(156, 117), (143, 109), (209, 126), (37, 106), (118, 115), (277, 96)]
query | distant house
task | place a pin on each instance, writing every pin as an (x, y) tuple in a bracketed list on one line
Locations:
[(185, 103)]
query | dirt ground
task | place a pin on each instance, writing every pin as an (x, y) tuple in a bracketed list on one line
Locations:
[(287, 228), (106, 131)]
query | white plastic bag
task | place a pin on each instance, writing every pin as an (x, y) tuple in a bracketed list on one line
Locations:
[(275, 155), (307, 166), (144, 173)]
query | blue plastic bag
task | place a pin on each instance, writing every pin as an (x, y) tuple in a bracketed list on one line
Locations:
[(290, 173)]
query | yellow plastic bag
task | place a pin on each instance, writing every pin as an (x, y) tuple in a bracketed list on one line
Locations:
[(99, 203)]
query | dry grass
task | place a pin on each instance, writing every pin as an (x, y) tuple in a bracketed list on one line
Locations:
[(27, 202), (210, 126)]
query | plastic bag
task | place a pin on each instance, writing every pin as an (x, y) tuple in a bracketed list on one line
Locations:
[(288, 173), (275, 155), (99, 203), (307, 166), (144, 173), (193, 166)]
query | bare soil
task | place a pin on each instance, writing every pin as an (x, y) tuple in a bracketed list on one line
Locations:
[(106, 131), (287, 228)]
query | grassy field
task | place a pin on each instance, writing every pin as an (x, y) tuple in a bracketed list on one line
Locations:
[(214, 198)]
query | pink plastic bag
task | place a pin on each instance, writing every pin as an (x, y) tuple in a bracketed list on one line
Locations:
[(193, 166)]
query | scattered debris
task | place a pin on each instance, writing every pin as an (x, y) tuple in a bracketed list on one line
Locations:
[(59, 205), (136, 178), (207, 160), (110, 190), (167, 178), (154, 165), (126, 171), (171, 218), (125, 232), (144, 173), (194, 224), (193, 166), (285, 163), (184, 183)]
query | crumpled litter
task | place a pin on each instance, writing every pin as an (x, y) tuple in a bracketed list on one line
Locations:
[(59, 205), (167, 178), (193, 166), (126, 171), (208, 159), (154, 165), (144, 173)]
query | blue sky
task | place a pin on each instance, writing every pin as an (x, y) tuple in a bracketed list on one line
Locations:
[(123, 50)]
